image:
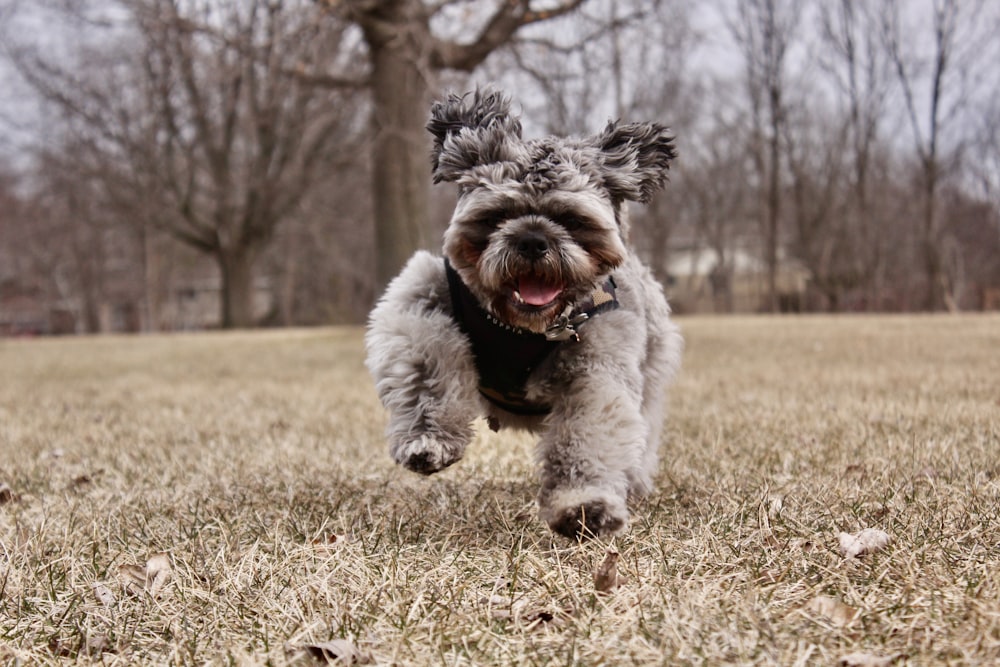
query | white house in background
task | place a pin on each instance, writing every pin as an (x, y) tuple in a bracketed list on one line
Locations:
[(698, 286)]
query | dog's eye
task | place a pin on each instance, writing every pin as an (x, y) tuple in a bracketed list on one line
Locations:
[(492, 220), (570, 222)]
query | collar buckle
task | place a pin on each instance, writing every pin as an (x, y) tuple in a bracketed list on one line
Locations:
[(564, 328)]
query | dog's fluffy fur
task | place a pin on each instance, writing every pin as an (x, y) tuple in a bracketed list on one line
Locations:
[(538, 224)]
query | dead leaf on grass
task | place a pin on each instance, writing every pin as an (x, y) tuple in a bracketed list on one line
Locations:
[(150, 579), (61, 649), (92, 646), (83, 479), (769, 576), (104, 595), (341, 651), (867, 541), (97, 644), (606, 576), (833, 609), (774, 506), (500, 607), (133, 578), (526, 514), (771, 541), (868, 660), (329, 540), (536, 618), (158, 573), (804, 545)]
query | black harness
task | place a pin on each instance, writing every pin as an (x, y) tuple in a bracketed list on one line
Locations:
[(506, 355)]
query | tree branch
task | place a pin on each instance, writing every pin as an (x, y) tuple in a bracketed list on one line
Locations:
[(510, 17), (323, 80)]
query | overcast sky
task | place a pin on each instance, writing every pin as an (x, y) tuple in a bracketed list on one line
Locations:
[(716, 56)]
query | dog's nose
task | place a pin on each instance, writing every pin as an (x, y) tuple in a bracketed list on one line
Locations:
[(532, 245)]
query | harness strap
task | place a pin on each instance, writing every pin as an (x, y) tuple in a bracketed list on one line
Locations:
[(506, 355)]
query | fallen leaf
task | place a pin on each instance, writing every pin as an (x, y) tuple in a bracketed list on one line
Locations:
[(150, 579), (96, 645), (104, 595), (501, 583), (495, 601), (92, 646), (539, 617), (526, 514), (774, 507), (804, 545), (867, 541), (158, 573), (337, 650), (543, 615), (606, 576), (869, 660), (832, 608), (80, 480), (771, 541), (61, 649), (768, 576), (6, 495), (499, 606), (134, 578)]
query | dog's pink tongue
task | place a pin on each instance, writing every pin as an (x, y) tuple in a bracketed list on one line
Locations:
[(537, 293)]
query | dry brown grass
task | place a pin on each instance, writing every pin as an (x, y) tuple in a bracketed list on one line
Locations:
[(256, 462)]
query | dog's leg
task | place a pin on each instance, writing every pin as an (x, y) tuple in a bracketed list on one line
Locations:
[(424, 372), (663, 353), (594, 440), (596, 437), (424, 384)]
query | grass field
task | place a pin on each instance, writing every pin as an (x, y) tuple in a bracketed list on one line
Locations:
[(255, 463)]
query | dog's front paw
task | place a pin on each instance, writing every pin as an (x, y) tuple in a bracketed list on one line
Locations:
[(580, 514), (427, 455)]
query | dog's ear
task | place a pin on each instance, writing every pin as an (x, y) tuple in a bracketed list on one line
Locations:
[(469, 133), (636, 158)]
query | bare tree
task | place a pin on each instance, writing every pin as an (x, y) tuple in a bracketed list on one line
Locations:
[(822, 235), (200, 125), (405, 53), (763, 31), (717, 177), (624, 60), (934, 88), (860, 68)]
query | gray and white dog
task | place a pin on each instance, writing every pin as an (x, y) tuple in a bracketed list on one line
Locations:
[(539, 316)]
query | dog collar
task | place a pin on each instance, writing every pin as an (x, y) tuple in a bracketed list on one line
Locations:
[(506, 355), (602, 298)]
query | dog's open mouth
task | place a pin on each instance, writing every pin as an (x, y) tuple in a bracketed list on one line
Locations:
[(535, 293)]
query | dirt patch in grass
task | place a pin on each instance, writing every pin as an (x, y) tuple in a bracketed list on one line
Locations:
[(227, 499)]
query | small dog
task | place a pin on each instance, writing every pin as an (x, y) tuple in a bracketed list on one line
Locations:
[(538, 317)]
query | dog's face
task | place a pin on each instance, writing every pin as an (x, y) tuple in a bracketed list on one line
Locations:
[(538, 223)]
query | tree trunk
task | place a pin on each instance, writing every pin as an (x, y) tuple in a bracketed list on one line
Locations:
[(151, 274), (401, 167), (934, 298), (237, 288), (774, 197)]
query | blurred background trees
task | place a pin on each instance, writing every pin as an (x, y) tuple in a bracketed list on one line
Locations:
[(171, 164)]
